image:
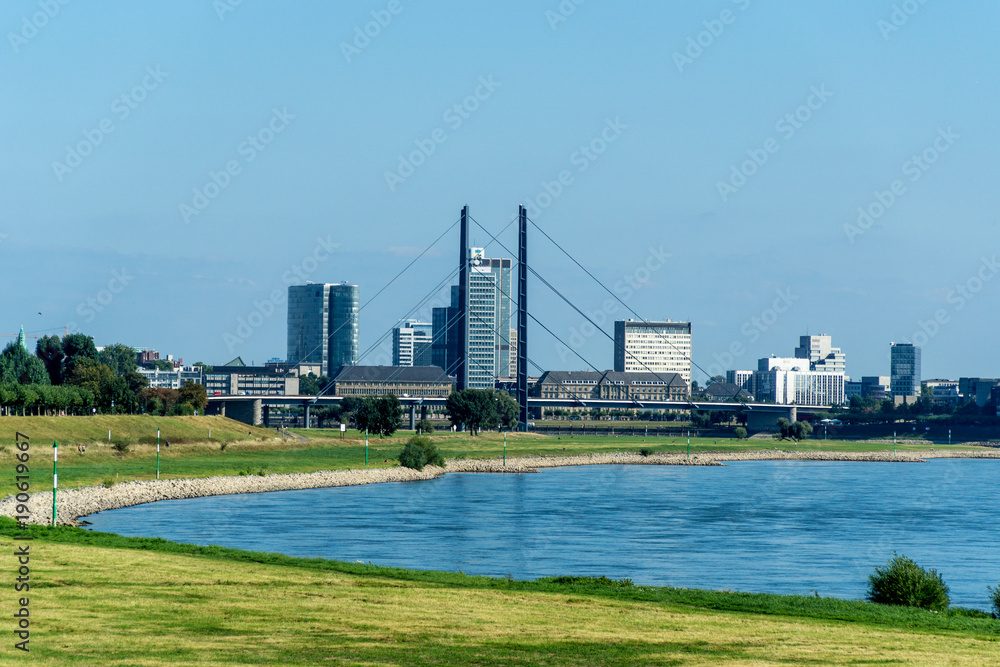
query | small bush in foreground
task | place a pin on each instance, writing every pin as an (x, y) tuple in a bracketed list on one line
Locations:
[(419, 452), (740, 433), (121, 448), (645, 451), (995, 598), (903, 582)]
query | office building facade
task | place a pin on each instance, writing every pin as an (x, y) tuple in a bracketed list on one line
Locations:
[(445, 335), (821, 354), (490, 353), (411, 344), (875, 386), (789, 381), (904, 366), (172, 379), (611, 385), (653, 347), (489, 349), (323, 325), (250, 381), (398, 380)]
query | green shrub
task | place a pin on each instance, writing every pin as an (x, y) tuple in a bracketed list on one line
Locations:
[(601, 581), (963, 612), (645, 451), (121, 448), (425, 426), (108, 483), (995, 599), (419, 452), (740, 433), (903, 582)]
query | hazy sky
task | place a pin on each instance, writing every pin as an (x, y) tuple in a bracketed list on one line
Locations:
[(168, 169)]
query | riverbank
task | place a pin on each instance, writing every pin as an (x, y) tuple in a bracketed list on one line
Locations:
[(83, 501), (106, 599)]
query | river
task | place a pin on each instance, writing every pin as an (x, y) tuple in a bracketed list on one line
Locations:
[(772, 526)]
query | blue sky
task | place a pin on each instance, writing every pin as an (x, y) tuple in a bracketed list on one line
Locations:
[(102, 242)]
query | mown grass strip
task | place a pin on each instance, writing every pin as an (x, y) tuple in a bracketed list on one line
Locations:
[(959, 621)]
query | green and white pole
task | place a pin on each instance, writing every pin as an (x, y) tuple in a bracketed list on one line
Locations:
[(55, 477), (689, 444), (505, 447), (949, 436), (366, 446), (157, 453)]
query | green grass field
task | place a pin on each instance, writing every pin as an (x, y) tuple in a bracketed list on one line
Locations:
[(246, 449), (108, 600)]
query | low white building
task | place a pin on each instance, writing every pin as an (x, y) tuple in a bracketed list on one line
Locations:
[(173, 379), (789, 381)]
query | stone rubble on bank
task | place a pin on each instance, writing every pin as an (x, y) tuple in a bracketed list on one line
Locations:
[(80, 502)]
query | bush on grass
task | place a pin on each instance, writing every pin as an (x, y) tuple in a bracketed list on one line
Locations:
[(419, 452), (601, 581), (995, 599), (740, 433), (425, 426), (903, 582)]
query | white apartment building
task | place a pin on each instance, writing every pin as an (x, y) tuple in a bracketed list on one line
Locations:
[(789, 381), (656, 347), (821, 354), (411, 344), (173, 379)]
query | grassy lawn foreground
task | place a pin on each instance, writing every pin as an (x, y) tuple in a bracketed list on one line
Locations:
[(102, 599)]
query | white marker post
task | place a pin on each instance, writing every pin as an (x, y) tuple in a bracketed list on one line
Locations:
[(157, 453), (55, 477)]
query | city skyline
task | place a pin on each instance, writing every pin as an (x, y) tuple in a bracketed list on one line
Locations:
[(848, 191)]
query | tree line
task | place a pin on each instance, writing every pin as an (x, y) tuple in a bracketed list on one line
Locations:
[(471, 409), (68, 375)]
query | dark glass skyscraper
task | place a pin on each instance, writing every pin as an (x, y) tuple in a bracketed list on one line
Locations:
[(904, 369), (323, 324)]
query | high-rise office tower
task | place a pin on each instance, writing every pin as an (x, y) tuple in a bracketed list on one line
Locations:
[(488, 353), (822, 356), (657, 347), (444, 341), (411, 344), (323, 324), (904, 365), (499, 271)]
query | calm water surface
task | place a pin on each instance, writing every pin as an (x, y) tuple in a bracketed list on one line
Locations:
[(778, 527)]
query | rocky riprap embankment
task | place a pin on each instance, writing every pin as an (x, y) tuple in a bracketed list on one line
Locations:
[(75, 503)]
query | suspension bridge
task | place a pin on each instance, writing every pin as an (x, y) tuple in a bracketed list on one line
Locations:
[(465, 322)]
